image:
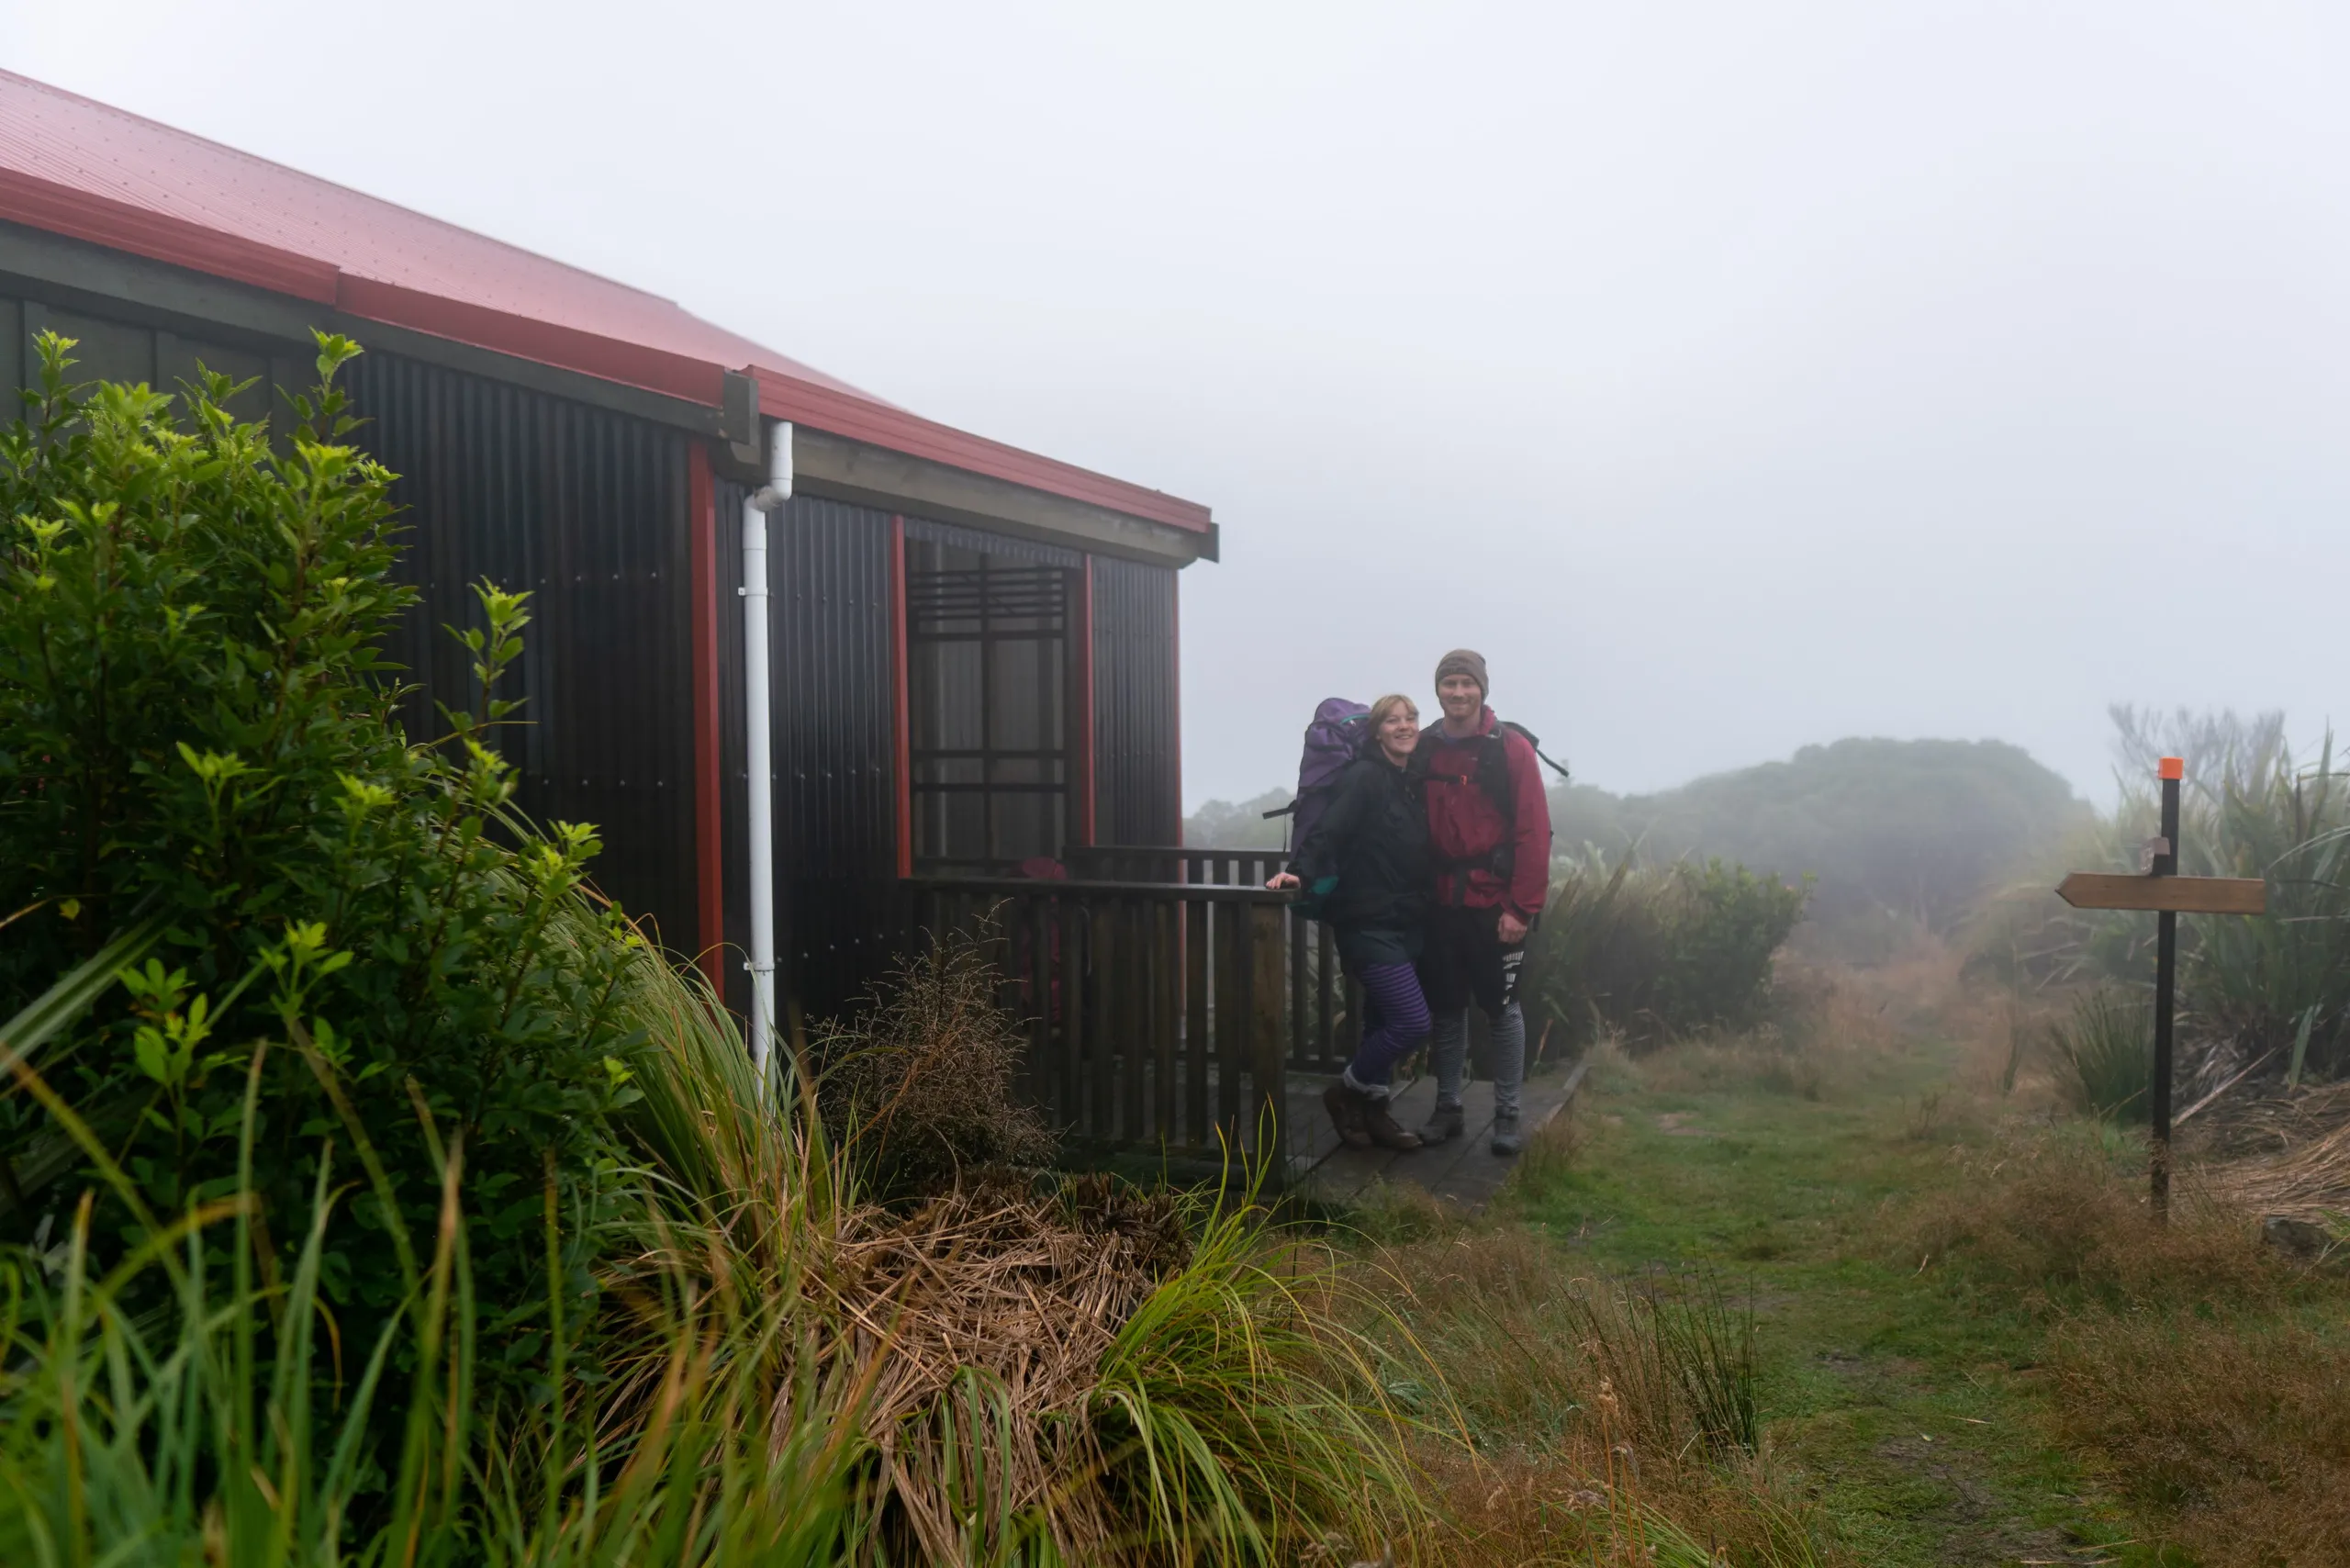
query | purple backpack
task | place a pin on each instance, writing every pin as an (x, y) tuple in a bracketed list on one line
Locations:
[(1332, 741)]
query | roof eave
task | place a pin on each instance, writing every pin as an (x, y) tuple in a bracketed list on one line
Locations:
[(86, 216)]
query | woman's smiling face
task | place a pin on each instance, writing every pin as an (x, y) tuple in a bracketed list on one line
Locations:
[(1399, 731)]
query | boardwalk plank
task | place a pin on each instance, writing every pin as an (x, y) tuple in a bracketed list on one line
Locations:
[(1465, 1171)]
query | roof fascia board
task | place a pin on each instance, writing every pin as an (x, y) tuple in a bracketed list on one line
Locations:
[(826, 462), (121, 226), (880, 425), (565, 348), (99, 277)]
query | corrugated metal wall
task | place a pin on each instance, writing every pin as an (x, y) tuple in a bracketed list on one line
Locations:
[(834, 705), (588, 510), (1137, 786), (105, 349)]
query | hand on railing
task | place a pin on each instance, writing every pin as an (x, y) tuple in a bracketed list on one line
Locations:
[(1282, 881)]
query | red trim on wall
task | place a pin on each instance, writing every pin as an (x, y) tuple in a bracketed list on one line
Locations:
[(902, 730), (1084, 748), (709, 838)]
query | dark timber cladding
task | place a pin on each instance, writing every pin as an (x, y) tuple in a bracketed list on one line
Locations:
[(832, 695), (587, 510), (1136, 763)]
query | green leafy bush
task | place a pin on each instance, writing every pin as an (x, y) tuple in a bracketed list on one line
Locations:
[(1655, 952), (199, 766)]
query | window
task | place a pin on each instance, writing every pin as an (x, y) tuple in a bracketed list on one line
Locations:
[(988, 691)]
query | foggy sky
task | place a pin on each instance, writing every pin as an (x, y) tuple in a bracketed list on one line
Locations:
[(1734, 376)]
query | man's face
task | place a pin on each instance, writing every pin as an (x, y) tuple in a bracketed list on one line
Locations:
[(1460, 695)]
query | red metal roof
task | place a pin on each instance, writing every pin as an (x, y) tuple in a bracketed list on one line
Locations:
[(80, 168)]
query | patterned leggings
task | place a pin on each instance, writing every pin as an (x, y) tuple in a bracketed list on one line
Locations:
[(1394, 1022)]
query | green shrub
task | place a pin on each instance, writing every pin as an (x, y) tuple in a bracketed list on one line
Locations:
[(1653, 953), (198, 764)]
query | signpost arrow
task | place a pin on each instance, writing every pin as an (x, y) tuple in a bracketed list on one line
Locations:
[(2175, 895), (2170, 895)]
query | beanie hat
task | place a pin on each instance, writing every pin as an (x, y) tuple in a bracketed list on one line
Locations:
[(1464, 661)]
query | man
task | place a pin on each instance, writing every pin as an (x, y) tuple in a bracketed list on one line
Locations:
[(1489, 837)]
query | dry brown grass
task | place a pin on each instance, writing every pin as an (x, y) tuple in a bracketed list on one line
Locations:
[(2286, 1154), (1584, 1445), (1034, 1369), (972, 1328), (1830, 1023), (2184, 1362), (2239, 1433), (916, 1087), (2048, 1215)]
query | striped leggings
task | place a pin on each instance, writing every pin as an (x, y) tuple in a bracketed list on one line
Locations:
[(1394, 1023)]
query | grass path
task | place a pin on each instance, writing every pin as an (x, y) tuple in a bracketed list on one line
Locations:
[(1913, 1414)]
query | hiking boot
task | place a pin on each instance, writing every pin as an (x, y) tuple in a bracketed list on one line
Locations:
[(1445, 1123), (1385, 1130), (1346, 1108), (1507, 1137)]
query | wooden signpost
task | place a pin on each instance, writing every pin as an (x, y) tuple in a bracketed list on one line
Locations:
[(2162, 889)]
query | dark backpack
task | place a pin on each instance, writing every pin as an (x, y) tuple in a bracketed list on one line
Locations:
[(1334, 739), (1493, 778)]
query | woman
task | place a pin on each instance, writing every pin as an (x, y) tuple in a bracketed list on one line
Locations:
[(1371, 851)]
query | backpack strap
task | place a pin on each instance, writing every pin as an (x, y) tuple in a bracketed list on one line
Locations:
[(1535, 745)]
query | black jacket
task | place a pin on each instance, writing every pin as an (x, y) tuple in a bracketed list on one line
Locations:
[(1373, 836)]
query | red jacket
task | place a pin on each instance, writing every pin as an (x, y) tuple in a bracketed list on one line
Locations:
[(1465, 824)]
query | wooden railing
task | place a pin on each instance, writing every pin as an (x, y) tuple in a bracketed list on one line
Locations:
[(1325, 1007), (1158, 1013), (1156, 863)]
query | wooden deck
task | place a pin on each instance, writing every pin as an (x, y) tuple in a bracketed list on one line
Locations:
[(1464, 1171)]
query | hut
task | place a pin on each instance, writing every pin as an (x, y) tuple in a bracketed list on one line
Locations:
[(972, 647)]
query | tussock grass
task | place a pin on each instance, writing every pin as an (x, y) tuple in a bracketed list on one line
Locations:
[(203, 1433), (1830, 1029), (915, 1086), (1064, 1371), (2102, 1055), (1608, 1419), (2201, 1370), (2237, 1432), (2058, 1218)]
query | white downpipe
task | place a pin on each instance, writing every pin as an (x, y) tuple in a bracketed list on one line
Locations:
[(759, 746)]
